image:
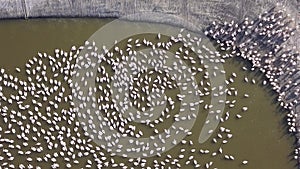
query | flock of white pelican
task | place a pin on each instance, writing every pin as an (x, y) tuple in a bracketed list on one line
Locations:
[(39, 110)]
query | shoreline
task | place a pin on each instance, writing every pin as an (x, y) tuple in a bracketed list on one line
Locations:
[(193, 12)]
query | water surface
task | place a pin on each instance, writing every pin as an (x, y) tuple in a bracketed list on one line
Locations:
[(260, 136)]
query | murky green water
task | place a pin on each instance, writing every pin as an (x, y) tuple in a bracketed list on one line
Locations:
[(259, 136)]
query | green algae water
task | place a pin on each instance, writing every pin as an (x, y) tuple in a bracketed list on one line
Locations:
[(259, 136)]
